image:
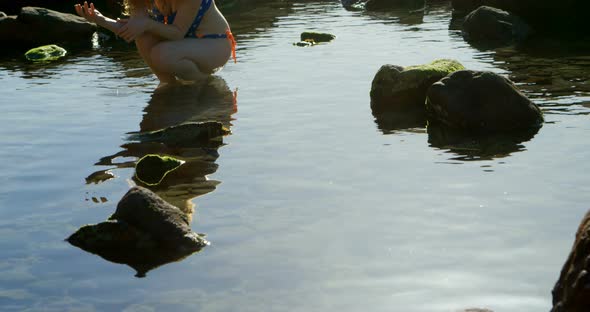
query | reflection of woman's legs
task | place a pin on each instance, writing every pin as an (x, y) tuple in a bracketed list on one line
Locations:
[(144, 44), (190, 58)]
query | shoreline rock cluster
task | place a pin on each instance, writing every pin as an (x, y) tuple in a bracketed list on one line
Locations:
[(445, 92)]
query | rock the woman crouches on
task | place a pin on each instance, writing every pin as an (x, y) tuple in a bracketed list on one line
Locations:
[(185, 39)]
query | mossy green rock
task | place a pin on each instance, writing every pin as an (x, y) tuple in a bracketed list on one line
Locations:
[(46, 53), (151, 169), (316, 37), (397, 88)]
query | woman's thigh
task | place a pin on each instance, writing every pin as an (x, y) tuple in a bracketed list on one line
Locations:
[(207, 54)]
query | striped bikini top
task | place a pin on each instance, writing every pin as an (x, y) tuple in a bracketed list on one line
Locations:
[(169, 19)]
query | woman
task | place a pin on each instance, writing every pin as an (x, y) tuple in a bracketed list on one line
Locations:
[(188, 39)]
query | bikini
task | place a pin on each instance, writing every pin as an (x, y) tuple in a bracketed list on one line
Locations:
[(192, 30)]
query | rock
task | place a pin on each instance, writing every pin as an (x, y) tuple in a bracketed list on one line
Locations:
[(39, 26), (188, 134), (566, 17), (304, 43), (316, 37), (46, 53), (120, 242), (495, 26), (147, 212), (108, 7), (482, 102), (373, 5), (571, 293), (399, 89), (151, 169), (100, 176)]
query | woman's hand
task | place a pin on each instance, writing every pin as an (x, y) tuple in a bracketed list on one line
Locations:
[(89, 12), (133, 27)]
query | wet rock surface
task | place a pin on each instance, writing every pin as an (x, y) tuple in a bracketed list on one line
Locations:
[(565, 17), (316, 37), (571, 293), (40, 26), (495, 27), (403, 89), (13, 7), (144, 232), (46, 53), (482, 102), (151, 169), (146, 211)]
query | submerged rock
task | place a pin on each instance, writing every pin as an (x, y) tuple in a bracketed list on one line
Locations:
[(403, 89), (571, 293), (495, 26), (100, 176), (46, 53), (151, 169), (307, 43), (316, 37), (39, 26), (120, 242), (186, 134), (482, 102)]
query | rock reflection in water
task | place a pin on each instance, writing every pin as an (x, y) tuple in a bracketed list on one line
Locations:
[(391, 121), (173, 105), (471, 146)]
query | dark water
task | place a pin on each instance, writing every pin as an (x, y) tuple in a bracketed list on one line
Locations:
[(311, 204)]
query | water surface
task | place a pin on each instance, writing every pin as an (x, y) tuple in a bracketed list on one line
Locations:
[(310, 205)]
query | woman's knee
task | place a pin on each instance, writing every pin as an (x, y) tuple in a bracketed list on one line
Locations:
[(161, 56)]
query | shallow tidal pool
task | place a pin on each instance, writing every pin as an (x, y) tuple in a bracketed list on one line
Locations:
[(311, 204)]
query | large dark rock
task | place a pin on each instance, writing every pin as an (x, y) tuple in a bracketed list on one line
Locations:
[(38, 26), (482, 102), (543, 15), (13, 7), (572, 290), (494, 26)]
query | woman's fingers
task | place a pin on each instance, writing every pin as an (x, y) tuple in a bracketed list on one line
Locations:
[(78, 9)]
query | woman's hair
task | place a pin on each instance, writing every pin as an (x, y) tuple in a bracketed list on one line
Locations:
[(130, 5), (162, 5)]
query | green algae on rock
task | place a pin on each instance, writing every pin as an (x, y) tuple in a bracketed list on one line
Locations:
[(151, 169), (316, 37), (404, 89), (46, 53)]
